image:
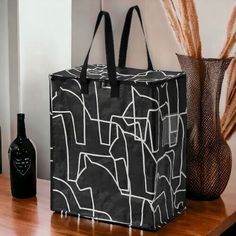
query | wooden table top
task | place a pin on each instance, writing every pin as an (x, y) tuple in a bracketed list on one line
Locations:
[(33, 217)]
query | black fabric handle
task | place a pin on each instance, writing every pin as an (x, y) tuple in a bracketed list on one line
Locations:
[(110, 57), (125, 38)]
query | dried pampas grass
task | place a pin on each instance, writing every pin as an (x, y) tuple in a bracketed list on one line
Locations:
[(175, 24), (184, 23), (228, 121), (183, 19), (230, 35), (193, 20), (185, 26)]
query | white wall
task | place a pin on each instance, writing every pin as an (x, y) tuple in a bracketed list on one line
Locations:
[(84, 14), (160, 38), (4, 79), (13, 46), (213, 16), (45, 47)]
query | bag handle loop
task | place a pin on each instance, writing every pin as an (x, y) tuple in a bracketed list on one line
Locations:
[(110, 57), (125, 38)]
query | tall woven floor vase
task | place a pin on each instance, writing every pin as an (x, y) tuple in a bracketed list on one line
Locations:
[(209, 157)]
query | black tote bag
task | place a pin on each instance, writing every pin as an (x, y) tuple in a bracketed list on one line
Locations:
[(118, 139)]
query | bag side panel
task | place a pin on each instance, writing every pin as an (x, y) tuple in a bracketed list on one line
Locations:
[(109, 155)]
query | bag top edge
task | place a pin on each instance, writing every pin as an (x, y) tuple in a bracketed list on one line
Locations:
[(127, 74)]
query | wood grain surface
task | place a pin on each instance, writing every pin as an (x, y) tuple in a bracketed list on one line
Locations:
[(33, 217)]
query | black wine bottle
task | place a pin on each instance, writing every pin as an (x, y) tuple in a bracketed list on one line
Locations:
[(22, 158)]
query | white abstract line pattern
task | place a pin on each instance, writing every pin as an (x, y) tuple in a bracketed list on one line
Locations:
[(119, 160)]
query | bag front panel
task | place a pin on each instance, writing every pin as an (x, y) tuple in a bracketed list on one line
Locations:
[(120, 160)]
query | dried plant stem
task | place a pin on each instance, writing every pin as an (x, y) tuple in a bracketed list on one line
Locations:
[(230, 125), (231, 35), (232, 79), (232, 23), (175, 24), (187, 33), (193, 20), (186, 27), (228, 120), (228, 46)]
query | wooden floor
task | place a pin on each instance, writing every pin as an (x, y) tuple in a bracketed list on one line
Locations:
[(33, 217)]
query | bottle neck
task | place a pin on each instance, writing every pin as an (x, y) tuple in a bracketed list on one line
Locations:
[(21, 125)]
